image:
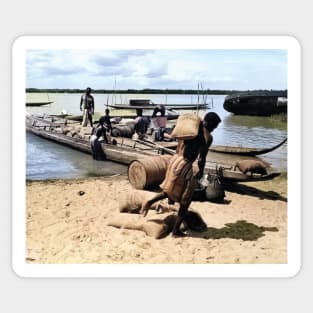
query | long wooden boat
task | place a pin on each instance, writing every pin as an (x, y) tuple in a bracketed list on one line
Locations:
[(245, 151), (37, 104), (126, 150), (79, 118), (226, 172), (262, 104), (167, 106), (231, 175), (242, 151), (147, 104)]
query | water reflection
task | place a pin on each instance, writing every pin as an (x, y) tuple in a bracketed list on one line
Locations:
[(48, 160), (259, 122)]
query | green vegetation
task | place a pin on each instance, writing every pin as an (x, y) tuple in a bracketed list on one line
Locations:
[(148, 91)]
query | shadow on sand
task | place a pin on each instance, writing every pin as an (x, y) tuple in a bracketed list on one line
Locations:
[(239, 230), (254, 192)]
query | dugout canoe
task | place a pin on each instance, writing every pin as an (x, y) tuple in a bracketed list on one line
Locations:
[(147, 104), (245, 151), (168, 106), (242, 151), (79, 118), (230, 175), (123, 153), (126, 150), (37, 104), (226, 173)]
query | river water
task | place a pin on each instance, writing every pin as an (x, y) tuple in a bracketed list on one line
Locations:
[(48, 160)]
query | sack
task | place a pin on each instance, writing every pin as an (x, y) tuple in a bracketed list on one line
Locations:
[(178, 174), (157, 228), (187, 127), (252, 166), (131, 201)]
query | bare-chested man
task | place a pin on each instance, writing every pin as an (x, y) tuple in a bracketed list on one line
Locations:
[(179, 182), (87, 105)]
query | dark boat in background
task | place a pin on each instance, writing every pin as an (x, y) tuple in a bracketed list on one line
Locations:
[(37, 104), (261, 103)]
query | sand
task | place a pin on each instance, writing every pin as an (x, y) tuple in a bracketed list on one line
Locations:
[(66, 223)]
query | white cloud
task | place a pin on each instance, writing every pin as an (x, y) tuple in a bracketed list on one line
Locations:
[(215, 69)]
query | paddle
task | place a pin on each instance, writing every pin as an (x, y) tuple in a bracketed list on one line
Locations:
[(155, 145)]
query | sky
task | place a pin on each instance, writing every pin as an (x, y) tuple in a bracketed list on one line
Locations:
[(231, 69)]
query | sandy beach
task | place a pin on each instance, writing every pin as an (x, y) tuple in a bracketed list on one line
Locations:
[(67, 223)]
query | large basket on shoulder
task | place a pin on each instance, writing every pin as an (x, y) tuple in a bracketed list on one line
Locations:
[(187, 127)]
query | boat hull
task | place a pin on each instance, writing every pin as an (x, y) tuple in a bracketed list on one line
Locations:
[(261, 105), (167, 106), (127, 150), (245, 151), (79, 118), (37, 104)]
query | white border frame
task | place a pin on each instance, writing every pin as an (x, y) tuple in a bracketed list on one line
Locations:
[(156, 42)]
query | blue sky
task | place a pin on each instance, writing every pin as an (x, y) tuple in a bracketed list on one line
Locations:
[(137, 69)]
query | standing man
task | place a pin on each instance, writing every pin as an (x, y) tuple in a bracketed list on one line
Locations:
[(179, 182), (87, 105)]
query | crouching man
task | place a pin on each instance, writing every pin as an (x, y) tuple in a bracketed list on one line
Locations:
[(100, 134)]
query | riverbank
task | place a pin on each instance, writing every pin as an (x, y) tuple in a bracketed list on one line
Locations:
[(151, 91), (66, 222)]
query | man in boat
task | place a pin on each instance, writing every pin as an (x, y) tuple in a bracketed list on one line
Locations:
[(99, 135), (87, 105), (158, 123), (179, 182), (159, 110), (107, 119)]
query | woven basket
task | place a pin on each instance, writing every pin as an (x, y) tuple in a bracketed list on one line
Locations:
[(187, 127)]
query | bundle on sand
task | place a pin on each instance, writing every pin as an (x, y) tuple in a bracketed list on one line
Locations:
[(134, 199), (252, 166), (158, 227)]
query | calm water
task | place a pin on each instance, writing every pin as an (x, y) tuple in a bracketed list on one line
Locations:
[(45, 159)]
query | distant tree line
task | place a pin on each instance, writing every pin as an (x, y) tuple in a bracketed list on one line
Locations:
[(155, 91)]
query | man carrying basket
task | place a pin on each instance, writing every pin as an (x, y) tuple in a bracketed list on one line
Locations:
[(194, 139)]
